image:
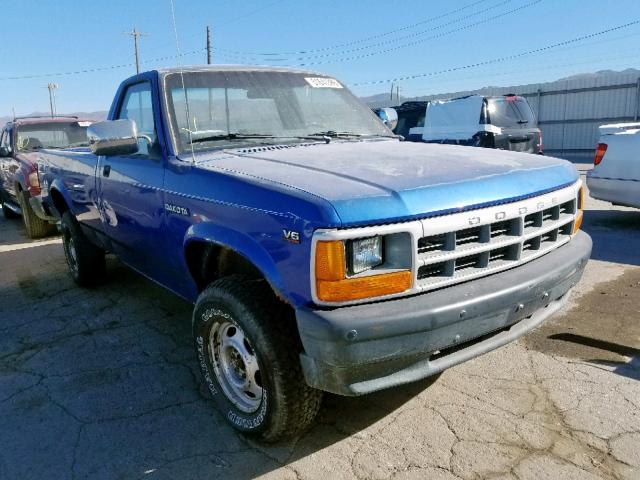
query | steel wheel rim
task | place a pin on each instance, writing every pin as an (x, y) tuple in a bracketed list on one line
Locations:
[(235, 366), (70, 251)]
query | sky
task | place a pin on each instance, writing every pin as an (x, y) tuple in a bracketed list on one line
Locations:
[(360, 42)]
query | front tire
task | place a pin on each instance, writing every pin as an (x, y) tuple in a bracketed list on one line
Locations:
[(248, 351), (86, 262), (34, 225)]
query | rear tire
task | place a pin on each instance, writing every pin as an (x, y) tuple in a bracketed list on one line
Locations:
[(86, 262), (248, 350), (8, 213), (36, 227)]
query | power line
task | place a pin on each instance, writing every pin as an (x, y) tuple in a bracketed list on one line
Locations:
[(365, 39), (327, 58), (499, 59), (428, 92), (422, 40), (248, 14), (99, 69), (221, 24), (423, 32)]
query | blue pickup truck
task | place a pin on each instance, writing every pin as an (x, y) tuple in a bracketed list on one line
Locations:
[(321, 252)]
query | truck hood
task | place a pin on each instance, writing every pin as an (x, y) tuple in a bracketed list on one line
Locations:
[(382, 181)]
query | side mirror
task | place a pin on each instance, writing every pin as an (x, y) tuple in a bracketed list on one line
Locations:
[(389, 117), (5, 152), (113, 137)]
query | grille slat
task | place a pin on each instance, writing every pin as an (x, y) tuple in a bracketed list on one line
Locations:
[(434, 243), (469, 252), (468, 235)]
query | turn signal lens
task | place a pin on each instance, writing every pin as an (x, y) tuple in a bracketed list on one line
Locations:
[(579, 215), (578, 221), (330, 264), (332, 284), (363, 287)]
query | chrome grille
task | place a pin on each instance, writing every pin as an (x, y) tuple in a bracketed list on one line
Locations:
[(461, 246), (513, 238)]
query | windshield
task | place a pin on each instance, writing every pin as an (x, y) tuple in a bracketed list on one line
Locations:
[(510, 112), (51, 135), (238, 107)]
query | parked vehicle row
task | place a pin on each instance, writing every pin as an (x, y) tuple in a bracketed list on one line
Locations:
[(503, 122), (321, 252), (20, 142)]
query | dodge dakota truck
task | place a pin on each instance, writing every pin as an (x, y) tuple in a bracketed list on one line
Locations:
[(320, 251)]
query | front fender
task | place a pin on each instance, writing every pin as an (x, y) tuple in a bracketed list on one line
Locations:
[(21, 179), (243, 245), (57, 185)]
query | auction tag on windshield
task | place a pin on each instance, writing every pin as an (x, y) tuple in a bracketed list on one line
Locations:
[(323, 82)]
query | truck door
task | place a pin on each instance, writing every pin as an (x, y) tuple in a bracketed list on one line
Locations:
[(8, 168), (130, 192)]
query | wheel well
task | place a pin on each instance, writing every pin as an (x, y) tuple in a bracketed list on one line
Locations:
[(208, 262), (58, 201)]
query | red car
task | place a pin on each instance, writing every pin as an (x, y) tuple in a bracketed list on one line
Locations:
[(20, 141)]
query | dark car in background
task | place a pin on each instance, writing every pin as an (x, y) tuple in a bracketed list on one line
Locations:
[(504, 122), (20, 141)]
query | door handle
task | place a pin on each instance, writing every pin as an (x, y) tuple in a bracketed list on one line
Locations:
[(106, 170)]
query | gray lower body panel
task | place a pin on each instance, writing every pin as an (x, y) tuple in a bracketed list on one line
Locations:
[(40, 210), (364, 348), (624, 192)]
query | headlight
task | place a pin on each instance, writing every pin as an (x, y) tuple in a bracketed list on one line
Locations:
[(364, 254), (338, 264)]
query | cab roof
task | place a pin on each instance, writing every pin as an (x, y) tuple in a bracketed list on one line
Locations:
[(234, 68), (35, 120)]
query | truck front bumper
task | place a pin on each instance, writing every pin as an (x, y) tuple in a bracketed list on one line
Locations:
[(360, 349)]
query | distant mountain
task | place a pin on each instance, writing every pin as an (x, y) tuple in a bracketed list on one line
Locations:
[(100, 115), (383, 100), (601, 73)]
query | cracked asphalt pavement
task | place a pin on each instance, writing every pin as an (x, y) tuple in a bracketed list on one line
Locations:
[(103, 383)]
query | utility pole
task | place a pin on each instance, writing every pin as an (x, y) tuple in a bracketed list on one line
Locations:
[(398, 93), (135, 34), (391, 97), (208, 45), (52, 97)]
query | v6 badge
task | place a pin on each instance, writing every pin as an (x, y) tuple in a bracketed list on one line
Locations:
[(291, 236)]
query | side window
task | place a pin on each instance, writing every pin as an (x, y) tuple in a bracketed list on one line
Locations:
[(138, 106), (4, 140)]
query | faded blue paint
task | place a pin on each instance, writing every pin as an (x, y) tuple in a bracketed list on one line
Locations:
[(386, 181), (245, 198)]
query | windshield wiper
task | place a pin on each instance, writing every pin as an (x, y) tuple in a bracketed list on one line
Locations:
[(334, 134), (522, 122), (231, 136), (243, 136)]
